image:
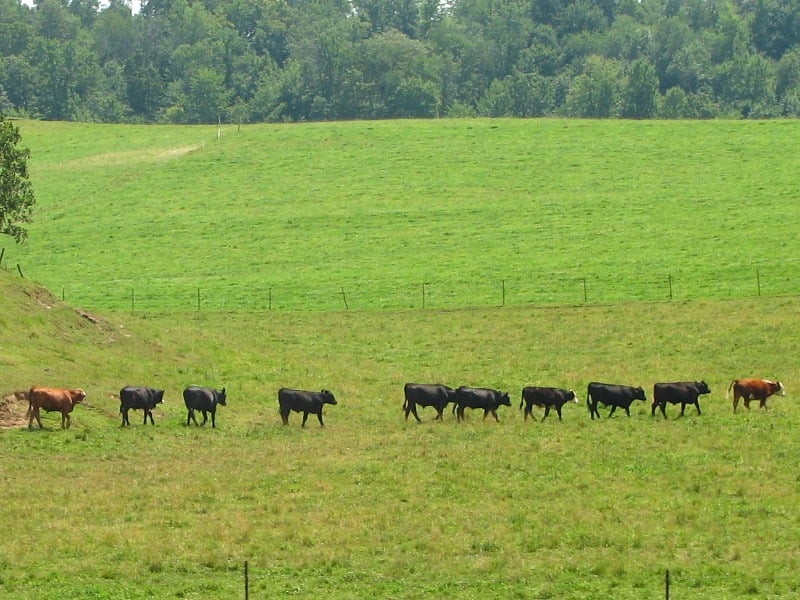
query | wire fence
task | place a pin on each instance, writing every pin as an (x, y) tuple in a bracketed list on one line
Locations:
[(490, 290), (544, 290), (251, 578)]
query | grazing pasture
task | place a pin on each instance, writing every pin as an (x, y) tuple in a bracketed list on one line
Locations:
[(374, 505), (327, 215)]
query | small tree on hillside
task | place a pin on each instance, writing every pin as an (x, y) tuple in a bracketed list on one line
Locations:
[(16, 194)]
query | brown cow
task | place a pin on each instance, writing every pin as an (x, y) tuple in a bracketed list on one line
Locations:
[(52, 399), (754, 389)]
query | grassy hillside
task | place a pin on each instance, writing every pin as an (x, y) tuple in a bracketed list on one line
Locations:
[(316, 216), (372, 506)]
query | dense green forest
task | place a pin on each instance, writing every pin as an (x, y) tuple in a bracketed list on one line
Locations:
[(197, 61)]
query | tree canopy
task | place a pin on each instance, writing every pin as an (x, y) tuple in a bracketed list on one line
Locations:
[(16, 194), (197, 61)]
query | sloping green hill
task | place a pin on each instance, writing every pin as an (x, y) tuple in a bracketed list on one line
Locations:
[(372, 506), (362, 214)]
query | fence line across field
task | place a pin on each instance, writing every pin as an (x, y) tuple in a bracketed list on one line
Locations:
[(371, 295), (246, 574)]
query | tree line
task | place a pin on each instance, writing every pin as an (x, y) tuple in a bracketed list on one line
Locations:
[(198, 61)]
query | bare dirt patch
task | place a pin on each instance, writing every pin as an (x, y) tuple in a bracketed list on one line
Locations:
[(13, 407)]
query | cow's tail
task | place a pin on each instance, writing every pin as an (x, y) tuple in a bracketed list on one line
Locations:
[(730, 387), (521, 400), (405, 403)]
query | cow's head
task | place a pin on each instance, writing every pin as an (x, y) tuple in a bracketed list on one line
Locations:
[(158, 396), (777, 388), (221, 397), (702, 387), (572, 396), (638, 394), (503, 399), (327, 397), (77, 396)]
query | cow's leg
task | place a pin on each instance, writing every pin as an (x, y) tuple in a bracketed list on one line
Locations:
[(35, 415), (663, 407), (627, 410), (459, 413), (124, 417), (190, 417), (414, 410), (149, 413), (683, 407), (285, 415), (547, 412), (558, 410), (205, 417), (592, 409), (697, 406), (439, 413), (613, 408), (213, 418), (494, 413), (305, 416), (65, 420), (528, 413), (319, 417)]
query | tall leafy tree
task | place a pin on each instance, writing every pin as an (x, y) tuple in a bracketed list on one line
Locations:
[(639, 95), (595, 93), (16, 193)]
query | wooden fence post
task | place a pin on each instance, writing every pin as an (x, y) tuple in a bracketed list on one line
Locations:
[(246, 582)]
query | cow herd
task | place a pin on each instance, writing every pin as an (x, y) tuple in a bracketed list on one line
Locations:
[(417, 395)]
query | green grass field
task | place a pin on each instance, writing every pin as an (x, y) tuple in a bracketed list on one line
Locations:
[(372, 506), (480, 211)]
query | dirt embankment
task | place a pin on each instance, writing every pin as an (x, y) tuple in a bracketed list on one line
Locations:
[(13, 407)]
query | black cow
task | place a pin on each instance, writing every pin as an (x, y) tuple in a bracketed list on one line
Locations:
[(304, 402), (427, 394), (612, 395), (547, 398), (487, 399), (679, 392), (205, 400), (136, 397)]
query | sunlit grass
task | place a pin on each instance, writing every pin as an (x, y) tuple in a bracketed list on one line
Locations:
[(483, 212), (373, 506)]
